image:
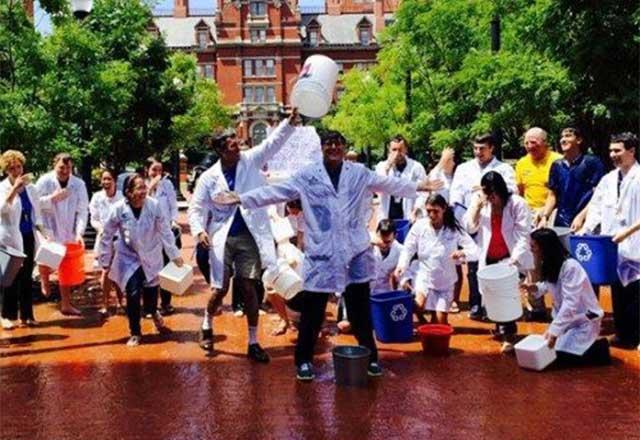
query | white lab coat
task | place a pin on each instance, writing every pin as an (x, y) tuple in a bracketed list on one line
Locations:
[(573, 297), (469, 175), (140, 242), (99, 208), (248, 177), (10, 215), (384, 267), (165, 194), (614, 213), (336, 242), (516, 227), (436, 269), (415, 172), (66, 219)]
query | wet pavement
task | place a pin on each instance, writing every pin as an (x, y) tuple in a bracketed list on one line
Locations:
[(74, 378)]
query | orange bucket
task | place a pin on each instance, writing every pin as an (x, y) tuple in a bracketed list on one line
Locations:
[(71, 270), (435, 338)]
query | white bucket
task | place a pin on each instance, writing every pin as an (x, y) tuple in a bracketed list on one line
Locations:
[(533, 353), (284, 280), (313, 92), (50, 254), (500, 293), (282, 230), (176, 279), (291, 254), (563, 234)]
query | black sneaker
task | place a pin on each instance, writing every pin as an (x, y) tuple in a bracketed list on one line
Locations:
[(374, 369), (256, 353), (167, 310), (305, 372), (476, 314), (206, 339)]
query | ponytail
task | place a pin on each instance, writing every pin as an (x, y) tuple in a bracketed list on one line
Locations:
[(449, 218)]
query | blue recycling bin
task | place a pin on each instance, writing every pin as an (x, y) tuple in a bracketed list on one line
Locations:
[(598, 255), (392, 316), (402, 229)]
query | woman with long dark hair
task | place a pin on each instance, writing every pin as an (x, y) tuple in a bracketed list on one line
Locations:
[(436, 240), (503, 222), (577, 315), (134, 266)]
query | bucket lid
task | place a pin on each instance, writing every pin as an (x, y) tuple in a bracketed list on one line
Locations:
[(351, 351)]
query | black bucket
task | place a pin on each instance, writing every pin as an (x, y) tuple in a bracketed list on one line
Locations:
[(10, 263), (350, 363)]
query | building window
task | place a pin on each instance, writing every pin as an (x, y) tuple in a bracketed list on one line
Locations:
[(365, 35), (271, 94), (258, 35), (208, 71), (248, 67), (313, 37), (248, 95), (340, 67), (203, 39), (259, 67), (270, 66), (258, 8), (258, 132), (259, 94)]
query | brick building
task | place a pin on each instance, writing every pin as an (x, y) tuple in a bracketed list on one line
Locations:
[(254, 49)]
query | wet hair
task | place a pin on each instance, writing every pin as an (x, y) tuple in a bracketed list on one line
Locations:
[(10, 156), (449, 220), (628, 139), (129, 184), (386, 227), (493, 182), (294, 204), (64, 157), (219, 141), (575, 131), (554, 253), (113, 174), (485, 138), (151, 161), (332, 135), (400, 138)]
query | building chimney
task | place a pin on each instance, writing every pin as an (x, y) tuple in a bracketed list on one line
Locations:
[(378, 12), (334, 7), (28, 8), (180, 8)]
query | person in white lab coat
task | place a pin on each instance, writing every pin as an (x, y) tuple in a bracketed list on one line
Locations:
[(19, 220), (577, 315), (99, 207), (338, 256), (502, 222), (398, 164), (241, 241), (466, 183), (64, 203), (615, 206), (135, 260), (161, 189), (436, 240)]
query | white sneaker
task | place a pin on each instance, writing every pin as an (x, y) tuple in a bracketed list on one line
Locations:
[(7, 324), (133, 341), (238, 313), (507, 347)]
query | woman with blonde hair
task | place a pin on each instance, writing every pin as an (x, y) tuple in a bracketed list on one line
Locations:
[(19, 219)]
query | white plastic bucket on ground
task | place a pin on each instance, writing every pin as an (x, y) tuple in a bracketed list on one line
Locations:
[(281, 229), (533, 353), (284, 280), (500, 292), (313, 92), (563, 234), (176, 279), (50, 254), (290, 253)]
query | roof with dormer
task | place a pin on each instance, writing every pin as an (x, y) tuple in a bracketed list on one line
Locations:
[(181, 31)]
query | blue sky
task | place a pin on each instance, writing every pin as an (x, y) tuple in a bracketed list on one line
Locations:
[(43, 23)]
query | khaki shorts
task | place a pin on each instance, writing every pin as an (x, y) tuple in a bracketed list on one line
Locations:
[(241, 258)]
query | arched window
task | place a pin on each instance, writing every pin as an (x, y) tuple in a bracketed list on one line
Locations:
[(258, 132)]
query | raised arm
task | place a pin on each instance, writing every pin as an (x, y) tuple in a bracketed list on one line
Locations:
[(261, 154), (270, 194)]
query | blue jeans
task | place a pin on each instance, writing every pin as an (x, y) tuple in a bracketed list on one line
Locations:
[(136, 289)]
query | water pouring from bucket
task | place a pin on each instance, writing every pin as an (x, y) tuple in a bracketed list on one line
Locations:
[(313, 92)]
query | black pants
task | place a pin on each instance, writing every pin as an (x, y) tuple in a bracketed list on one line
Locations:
[(626, 311), (135, 289), (202, 259), (475, 299), (313, 308), (165, 295), (18, 295), (597, 354)]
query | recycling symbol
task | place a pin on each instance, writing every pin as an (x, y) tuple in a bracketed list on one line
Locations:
[(583, 252), (398, 312)]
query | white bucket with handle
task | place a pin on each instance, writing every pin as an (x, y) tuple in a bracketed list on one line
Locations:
[(283, 279), (313, 92), (281, 229), (500, 292), (290, 253)]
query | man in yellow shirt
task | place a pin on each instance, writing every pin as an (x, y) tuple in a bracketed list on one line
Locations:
[(532, 177)]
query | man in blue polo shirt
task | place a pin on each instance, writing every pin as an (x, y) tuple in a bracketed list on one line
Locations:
[(571, 180)]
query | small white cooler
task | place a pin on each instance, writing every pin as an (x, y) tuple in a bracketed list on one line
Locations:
[(176, 279), (50, 254), (533, 353), (281, 229)]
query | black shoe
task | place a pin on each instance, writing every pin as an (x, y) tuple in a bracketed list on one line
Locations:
[(618, 342), (256, 353), (374, 370), (476, 314), (305, 372), (536, 316), (206, 340), (167, 310)]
